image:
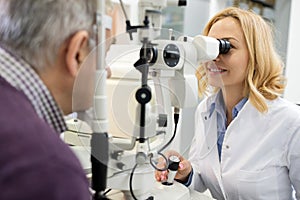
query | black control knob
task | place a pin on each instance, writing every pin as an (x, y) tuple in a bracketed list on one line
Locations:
[(143, 95)]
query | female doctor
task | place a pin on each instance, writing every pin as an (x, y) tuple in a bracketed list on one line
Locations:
[(247, 138)]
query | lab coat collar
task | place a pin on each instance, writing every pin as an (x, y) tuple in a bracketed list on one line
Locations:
[(210, 105)]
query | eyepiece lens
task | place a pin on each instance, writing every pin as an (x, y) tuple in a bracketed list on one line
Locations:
[(224, 46)]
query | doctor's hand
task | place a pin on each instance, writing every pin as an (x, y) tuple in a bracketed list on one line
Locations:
[(183, 172)]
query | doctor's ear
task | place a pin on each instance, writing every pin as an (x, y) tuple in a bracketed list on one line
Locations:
[(77, 50)]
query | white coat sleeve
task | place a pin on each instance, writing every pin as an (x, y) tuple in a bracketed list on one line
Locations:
[(293, 157), (197, 182)]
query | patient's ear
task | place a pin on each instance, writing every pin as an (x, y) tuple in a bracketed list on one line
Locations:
[(77, 48)]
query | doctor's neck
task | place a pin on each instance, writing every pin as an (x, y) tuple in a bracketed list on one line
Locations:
[(231, 97)]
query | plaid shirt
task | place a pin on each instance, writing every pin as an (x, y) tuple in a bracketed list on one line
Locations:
[(20, 75)]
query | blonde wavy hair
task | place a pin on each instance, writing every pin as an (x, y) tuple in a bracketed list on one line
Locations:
[(264, 78)]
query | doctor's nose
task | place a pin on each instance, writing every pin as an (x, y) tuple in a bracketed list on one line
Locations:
[(217, 59)]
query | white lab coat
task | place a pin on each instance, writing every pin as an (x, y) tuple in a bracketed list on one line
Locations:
[(260, 153)]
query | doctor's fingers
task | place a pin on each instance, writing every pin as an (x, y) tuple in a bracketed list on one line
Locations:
[(173, 153), (161, 175), (184, 170), (162, 161)]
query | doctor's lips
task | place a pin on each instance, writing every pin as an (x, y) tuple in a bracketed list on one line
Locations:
[(216, 70)]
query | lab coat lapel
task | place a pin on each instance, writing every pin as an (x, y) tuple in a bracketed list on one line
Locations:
[(210, 127)]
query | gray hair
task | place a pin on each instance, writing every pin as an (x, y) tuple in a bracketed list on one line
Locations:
[(35, 29)]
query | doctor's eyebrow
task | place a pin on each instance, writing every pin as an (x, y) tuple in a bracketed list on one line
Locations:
[(230, 38)]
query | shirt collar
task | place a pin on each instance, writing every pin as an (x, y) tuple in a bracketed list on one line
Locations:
[(238, 107), (20, 75), (217, 104)]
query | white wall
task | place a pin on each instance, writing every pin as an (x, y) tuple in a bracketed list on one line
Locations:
[(281, 18), (196, 16), (198, 12), (292, 92)]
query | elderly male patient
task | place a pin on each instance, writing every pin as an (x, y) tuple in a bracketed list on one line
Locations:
[(42, 44)]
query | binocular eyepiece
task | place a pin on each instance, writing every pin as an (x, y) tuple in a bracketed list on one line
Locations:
[(224, 46), (171, 52)]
